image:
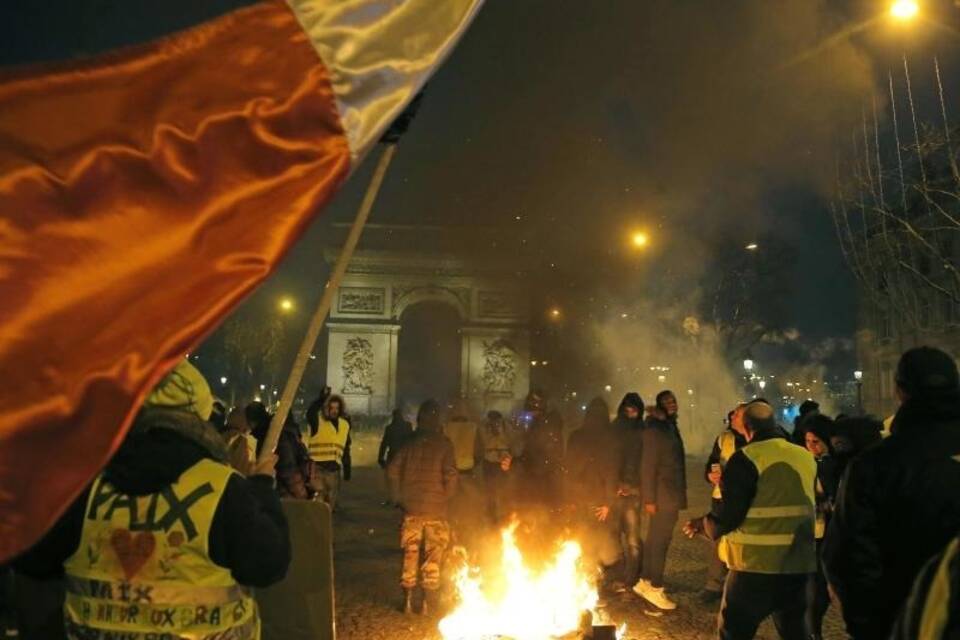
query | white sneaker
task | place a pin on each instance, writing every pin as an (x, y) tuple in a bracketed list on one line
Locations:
[(654, 595)]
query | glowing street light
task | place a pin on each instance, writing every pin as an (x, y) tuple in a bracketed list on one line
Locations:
[(555, 313), (753, 246), (763, 384), (748, 365), (904, 10), (639, 239), (608, 388), (858, 375), (286, 304), (223, 379)]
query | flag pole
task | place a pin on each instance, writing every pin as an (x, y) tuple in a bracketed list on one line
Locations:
[(326, 300)]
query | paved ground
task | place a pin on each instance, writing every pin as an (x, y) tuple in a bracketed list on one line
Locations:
[(367, 565)]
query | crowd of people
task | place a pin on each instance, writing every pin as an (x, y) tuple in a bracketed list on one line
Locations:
[(186, 516)]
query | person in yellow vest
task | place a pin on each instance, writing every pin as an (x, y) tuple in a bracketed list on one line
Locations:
[(167, 539), (765, 529), (329, 446), (462, 432), (727, 443)]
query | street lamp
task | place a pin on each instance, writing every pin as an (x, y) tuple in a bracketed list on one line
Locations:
[(223, 379), (904, 10), (748, 364), (555, 313), (639, 239), (286, 304), (753, 246), (763, 384), (858, 376)]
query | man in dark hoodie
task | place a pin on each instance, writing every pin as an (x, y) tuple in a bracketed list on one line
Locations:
[(167, 539), (395, 435), (898, 503), (628, 427), (663, 488), (592, 475), (425, 475)]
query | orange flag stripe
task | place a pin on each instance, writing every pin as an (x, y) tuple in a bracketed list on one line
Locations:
[(143, 195)]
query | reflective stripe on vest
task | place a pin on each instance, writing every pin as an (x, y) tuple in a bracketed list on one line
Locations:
[(777, 535), (728, 446), (328, 444), (143, 566)]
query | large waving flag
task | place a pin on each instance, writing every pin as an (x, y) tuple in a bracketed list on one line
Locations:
[(145, 192)]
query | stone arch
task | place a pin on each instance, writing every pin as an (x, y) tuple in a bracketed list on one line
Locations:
[(405, 297), (364, 327)]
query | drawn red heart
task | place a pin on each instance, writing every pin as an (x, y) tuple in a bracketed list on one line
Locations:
[(133, 550)]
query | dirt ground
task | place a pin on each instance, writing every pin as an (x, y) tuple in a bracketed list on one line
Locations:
[(367, 570)]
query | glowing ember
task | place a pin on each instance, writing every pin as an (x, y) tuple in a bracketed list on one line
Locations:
[(530, 605)]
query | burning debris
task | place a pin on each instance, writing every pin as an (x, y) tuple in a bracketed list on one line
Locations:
[(557, 601)]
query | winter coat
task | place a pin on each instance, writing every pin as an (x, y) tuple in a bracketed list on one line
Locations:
[(663, 476), (425, 474), (629, 432), (898, 505), (248, 534)]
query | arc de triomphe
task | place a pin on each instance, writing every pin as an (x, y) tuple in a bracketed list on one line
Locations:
[(364, 327)]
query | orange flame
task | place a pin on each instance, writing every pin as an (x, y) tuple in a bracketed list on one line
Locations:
[(531, 605)]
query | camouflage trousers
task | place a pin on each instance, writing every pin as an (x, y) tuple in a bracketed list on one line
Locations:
[(434, 535)]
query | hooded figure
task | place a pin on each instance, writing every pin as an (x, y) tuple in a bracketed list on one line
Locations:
[(898, 504), (592, 474), (628, 429), (329, 447), (168, 518)]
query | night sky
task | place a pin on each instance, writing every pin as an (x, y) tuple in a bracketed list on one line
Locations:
[(569, 123)]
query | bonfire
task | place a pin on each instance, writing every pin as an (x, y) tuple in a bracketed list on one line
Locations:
[(556, 601)]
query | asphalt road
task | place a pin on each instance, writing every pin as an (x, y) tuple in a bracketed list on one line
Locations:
[(367, 571)]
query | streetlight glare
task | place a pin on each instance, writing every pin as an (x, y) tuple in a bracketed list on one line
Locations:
[(639, 239), (555, 313), (286, 305), (753, 246), (905, 10)]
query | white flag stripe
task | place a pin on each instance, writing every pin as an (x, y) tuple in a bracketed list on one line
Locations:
[(379, 54)]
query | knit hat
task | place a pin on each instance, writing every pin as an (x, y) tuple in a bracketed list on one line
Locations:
[(182, 403), (184, 389), (927, 371)]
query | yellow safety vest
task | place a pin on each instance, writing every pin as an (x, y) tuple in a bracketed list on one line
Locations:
[(777, 536), (728, 447), (328, 443), (495, 446), (463, 435), (143, 567)]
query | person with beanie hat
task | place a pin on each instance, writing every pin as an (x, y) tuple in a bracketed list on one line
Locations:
[(168, 518), (628, 427), (898, 504)]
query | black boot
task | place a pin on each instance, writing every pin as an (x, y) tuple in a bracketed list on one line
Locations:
[(408, 601)]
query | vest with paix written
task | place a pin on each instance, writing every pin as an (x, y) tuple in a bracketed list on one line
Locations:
[(143, 568)]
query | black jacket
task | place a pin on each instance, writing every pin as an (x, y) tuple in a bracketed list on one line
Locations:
[(739, 487), (395, 435), (663, 474), (248, 534), (592, 466), (629, 434), (898, 505)]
